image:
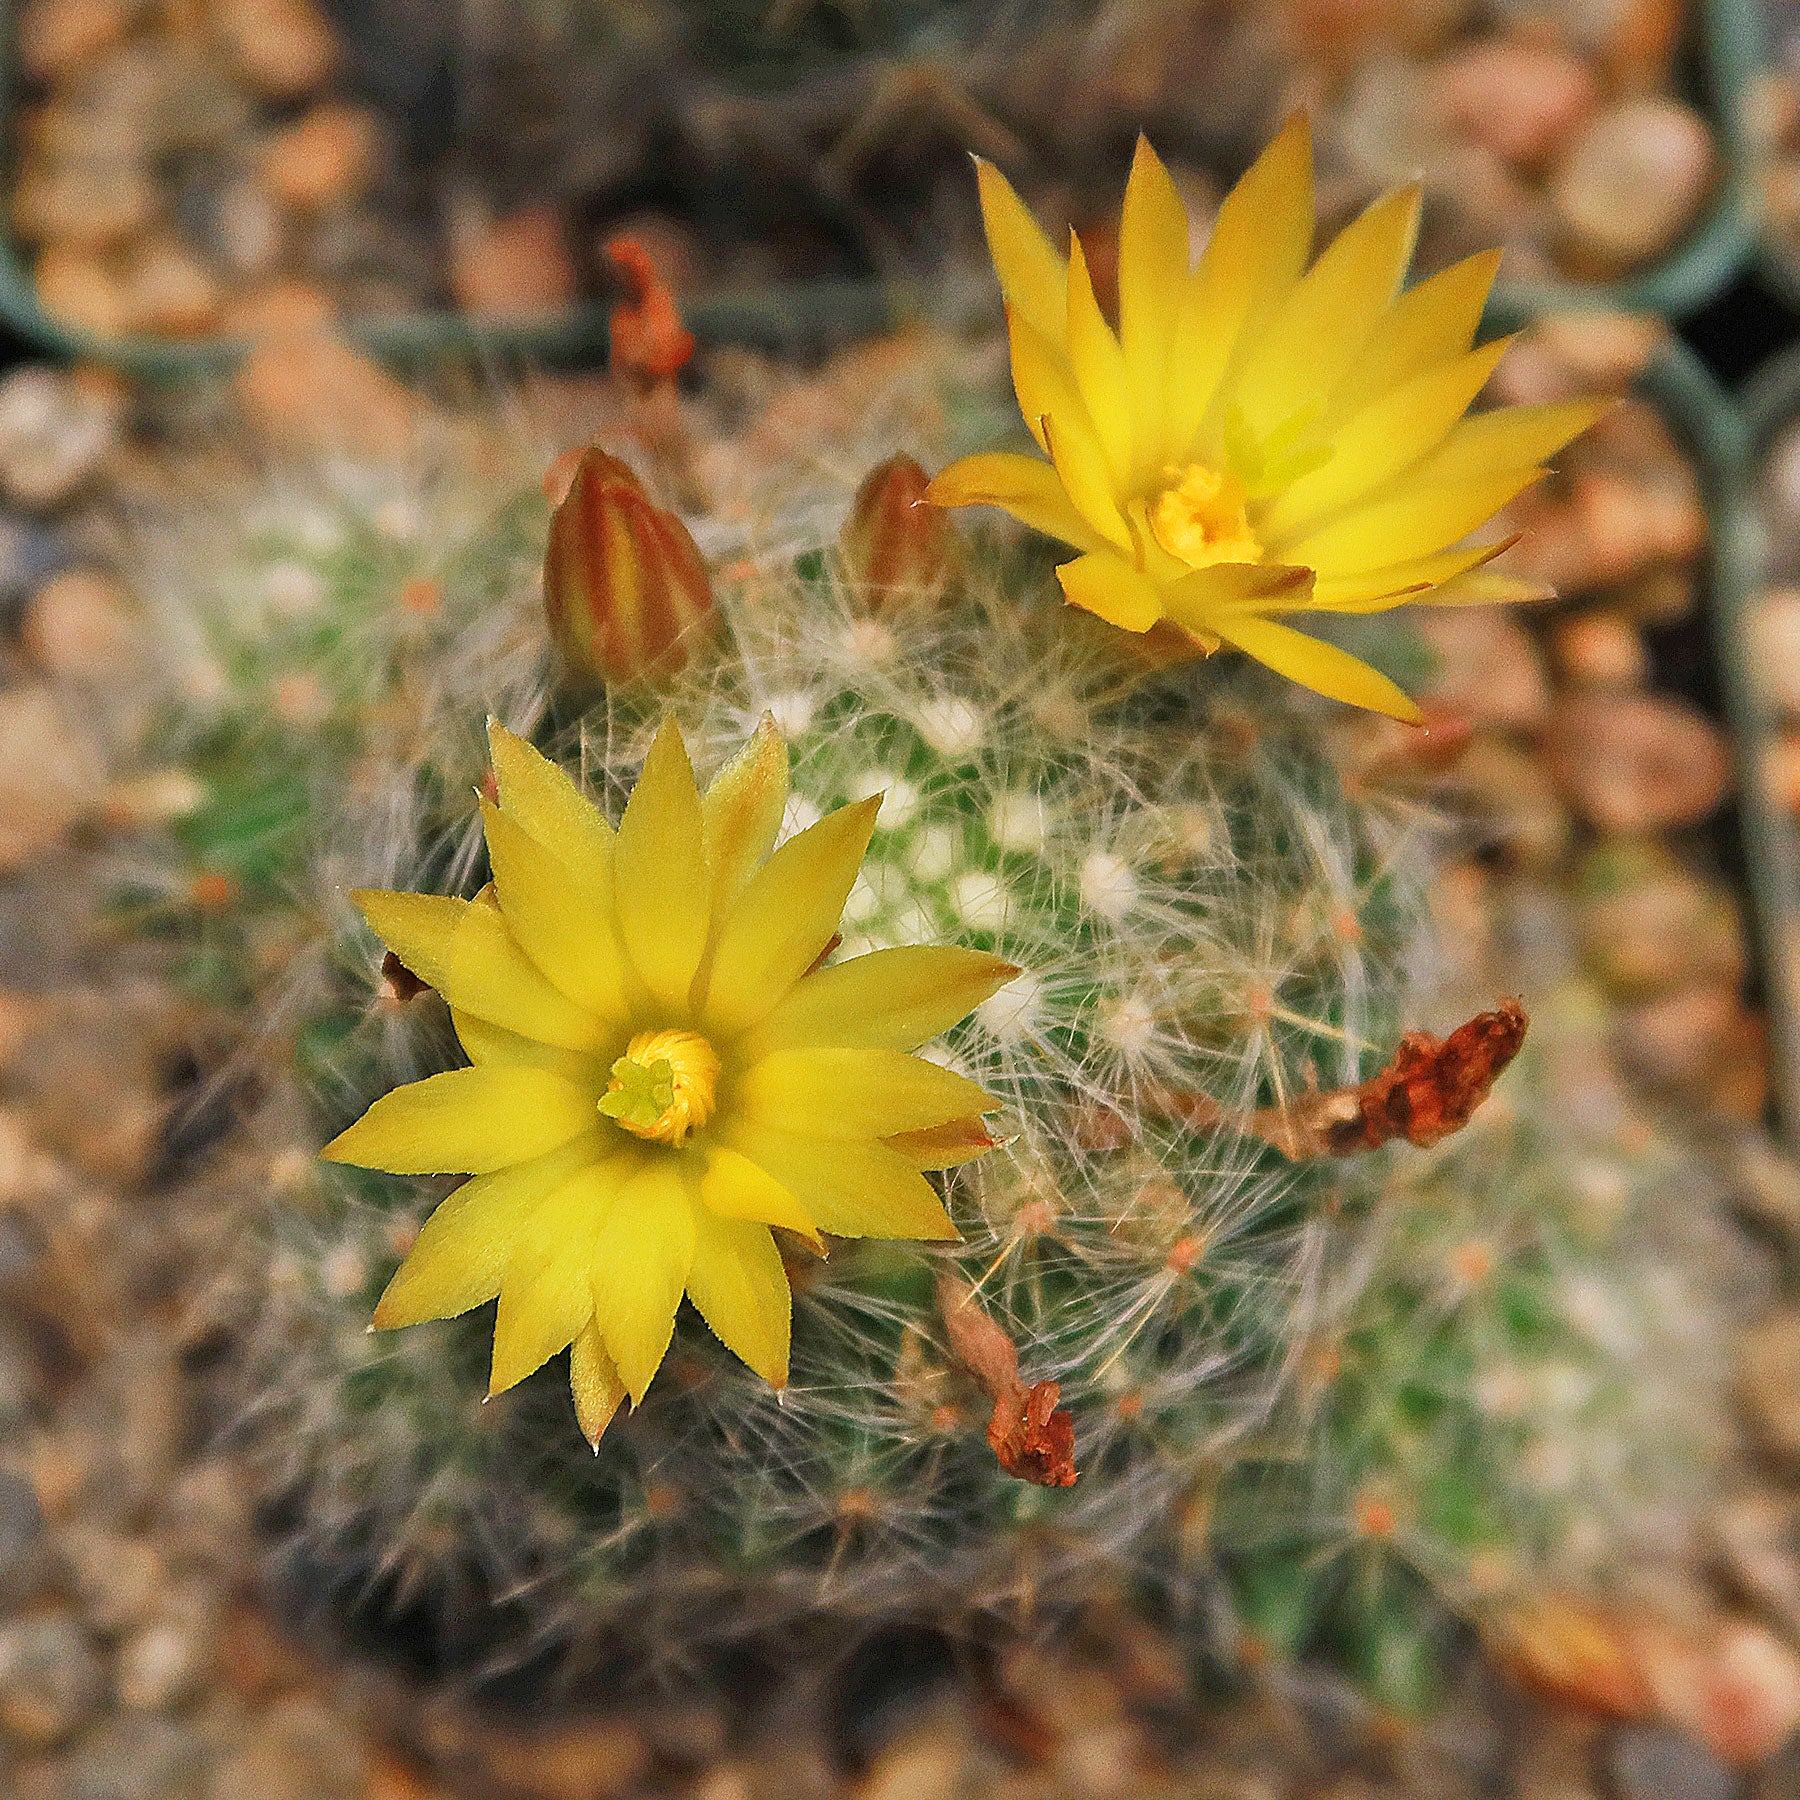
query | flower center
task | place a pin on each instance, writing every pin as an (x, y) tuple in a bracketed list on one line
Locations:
[(664, 1086), (1199, 517)]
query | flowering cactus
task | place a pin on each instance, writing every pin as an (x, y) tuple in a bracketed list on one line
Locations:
[(1131, 1328)]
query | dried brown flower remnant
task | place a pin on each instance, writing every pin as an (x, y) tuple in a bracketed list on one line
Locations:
[(398, 983), (1033, 1438), (1433, 1086), (649, 340), (1429, 1090)]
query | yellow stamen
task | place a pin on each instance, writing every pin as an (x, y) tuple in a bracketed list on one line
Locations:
[(664, 1086), (1199, 518)]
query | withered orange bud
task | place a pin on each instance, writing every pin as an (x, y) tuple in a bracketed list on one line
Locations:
[(626, 592), (649, 341), (895, 541)]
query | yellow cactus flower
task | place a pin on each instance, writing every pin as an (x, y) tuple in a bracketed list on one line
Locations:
[(1257, 438), (661, 1070)]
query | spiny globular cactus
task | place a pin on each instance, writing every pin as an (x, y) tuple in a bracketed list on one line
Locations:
[(1090, 1385)]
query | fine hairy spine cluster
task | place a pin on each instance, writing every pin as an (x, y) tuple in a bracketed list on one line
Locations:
[(1196, 907)]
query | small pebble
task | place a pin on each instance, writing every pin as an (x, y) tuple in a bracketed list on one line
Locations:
[(1769, 1382), (55, 432), (324, 159), (516, 267), (1489, 671), (1638, 762), (51, 1680), (1772, 625), (139, 1758), (1651, 1762), (83, 290), (163, 1665), (1633, 182), (51, 774), (23, 1562), (80, 626), (170, 292), (57, 39), (284, 48), (118, 1580), (1600, 650), (295, 1751), (312, 392), (1520, 100)]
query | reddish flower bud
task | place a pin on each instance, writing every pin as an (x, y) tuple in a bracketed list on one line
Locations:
[(895, 541), (626, 591)]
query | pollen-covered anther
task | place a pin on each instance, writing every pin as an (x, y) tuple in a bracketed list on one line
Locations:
[(664, 1087), (1200, 518)]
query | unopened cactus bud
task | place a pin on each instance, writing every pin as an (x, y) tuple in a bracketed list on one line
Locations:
[(895, 541), (626, 591)]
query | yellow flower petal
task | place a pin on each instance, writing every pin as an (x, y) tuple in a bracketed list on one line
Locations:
[(1082, 469), (1317, 665), (945, 1146), (540, 797), (1416, 519), (885, 1000), (1153, 268), (1112, 589), (785, 917), (741, 813), (1314, 337), (736, 1188), (464, 950), (1193, 601), (461, 1252), (547, 1290), (1488, 587), (486, 1044), (1382, 440), (1254, 256), (738, 1286), (1098, 365), (661, 881), (1031, 273), (642, 1255), (465, 1122), (1434, 321), (836, 1093), (1510, 439), (594, 1383), (1400, 583), (1042, 379), (1020, 485), (851, 1189), (558, 920)]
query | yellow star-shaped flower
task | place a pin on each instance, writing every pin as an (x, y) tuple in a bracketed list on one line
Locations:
[(661, 1070), (1257, 438)]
